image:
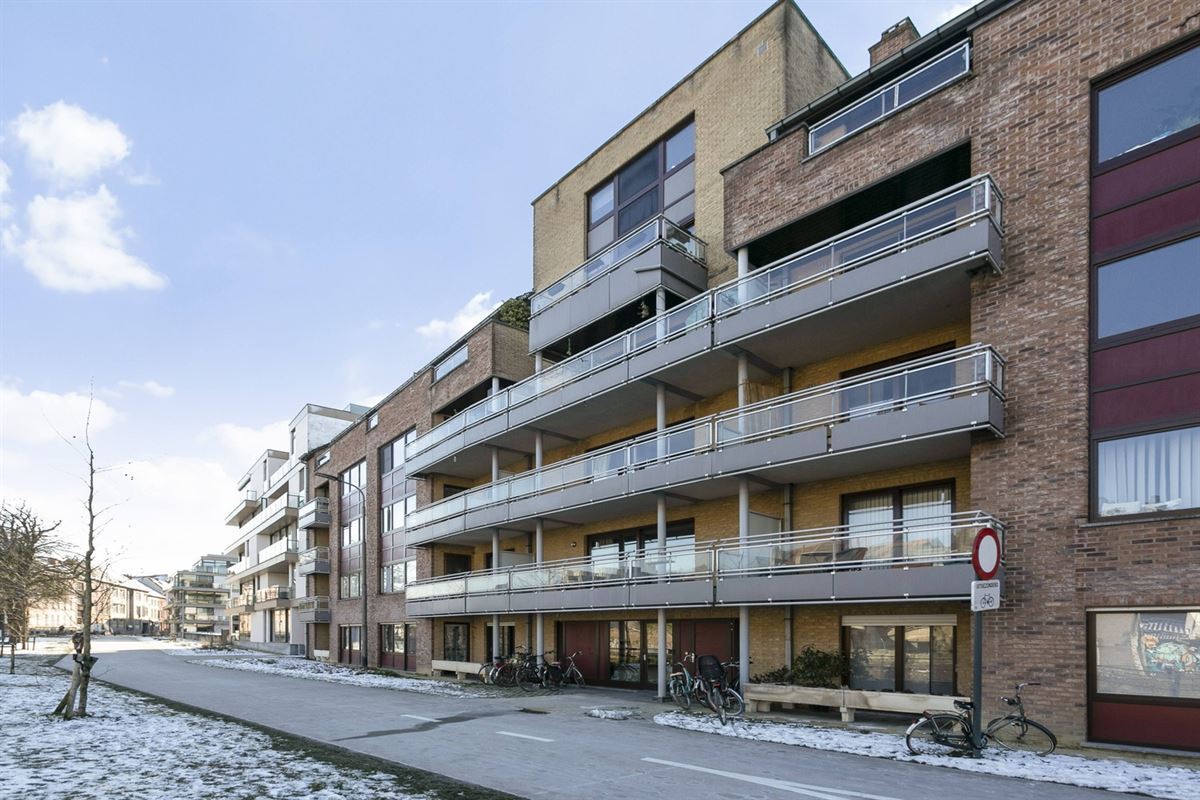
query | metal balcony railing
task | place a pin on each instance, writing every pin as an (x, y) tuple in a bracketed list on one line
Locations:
[(952, 208), (963, 371), (273, 593), (287, 544), (241, 566), (928, 541), (314, 554), (955, 207), (658, 229)]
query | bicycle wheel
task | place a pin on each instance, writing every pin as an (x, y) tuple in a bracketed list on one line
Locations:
[(938, 735), (679, 694), (1023, 735), (553, 678), (717, 703), (505, 676), (485, 673), (528, 679), (577, 677), (734, 706)]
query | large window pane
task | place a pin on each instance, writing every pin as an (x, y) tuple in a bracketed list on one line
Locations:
[(1148, 653), (637, 212), (873, 657), (1149, 288), (642, 172), (680, 184), (600, 203), (1149, 106), (1153, 472), (929, 659), (681, 146)]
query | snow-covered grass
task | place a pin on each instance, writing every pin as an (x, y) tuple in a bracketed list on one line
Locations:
[(335, 673), (1175, 783), (612, 713), (132, 747), (210, 651)]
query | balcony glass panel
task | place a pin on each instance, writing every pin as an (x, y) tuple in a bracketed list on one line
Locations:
[(908, 89)]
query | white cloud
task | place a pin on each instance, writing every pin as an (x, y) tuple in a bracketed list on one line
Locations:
[(463, 320), (5, 174), (73, 245), (244, 443), (67, 144), (150, 387), (39, 417)]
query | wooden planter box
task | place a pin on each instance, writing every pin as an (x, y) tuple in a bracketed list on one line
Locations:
[(760, 696)]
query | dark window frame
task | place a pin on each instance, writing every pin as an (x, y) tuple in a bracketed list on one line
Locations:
[(658, 185), (1094, 473), (643, 534), (1138, 334), (446, 626), (1118, 75), (898, 683), (1135, 699)]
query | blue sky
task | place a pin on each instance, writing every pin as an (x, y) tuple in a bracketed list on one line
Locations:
[(220, 211)]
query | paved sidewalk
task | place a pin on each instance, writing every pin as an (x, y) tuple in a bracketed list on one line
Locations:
[(546, 746)]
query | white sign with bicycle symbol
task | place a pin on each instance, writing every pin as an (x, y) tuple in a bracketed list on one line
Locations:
[(985, 595)]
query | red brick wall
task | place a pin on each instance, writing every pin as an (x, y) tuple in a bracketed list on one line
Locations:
[(1026, 112)]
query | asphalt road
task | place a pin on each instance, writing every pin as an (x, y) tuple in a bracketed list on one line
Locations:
[(561, 753)]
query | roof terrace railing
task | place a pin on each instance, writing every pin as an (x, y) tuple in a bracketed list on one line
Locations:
[(657, 229), (952, 208), (937, 377)]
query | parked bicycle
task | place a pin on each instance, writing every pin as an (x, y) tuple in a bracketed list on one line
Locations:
[(953, 734), (572, 675), (536, 671), (501, 671), (681, 686), (722, 698)]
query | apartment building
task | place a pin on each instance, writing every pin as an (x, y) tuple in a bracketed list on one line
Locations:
[(957, 291), (263, 586), (135, 608), (1002, 214), (357, 563), (196, 604)]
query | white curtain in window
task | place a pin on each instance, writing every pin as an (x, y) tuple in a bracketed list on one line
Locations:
[(1155, 472)]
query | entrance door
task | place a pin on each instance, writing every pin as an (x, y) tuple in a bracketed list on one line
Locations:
[(707, 637)]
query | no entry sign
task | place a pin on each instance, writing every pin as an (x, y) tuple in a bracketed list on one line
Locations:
[(985, 554)]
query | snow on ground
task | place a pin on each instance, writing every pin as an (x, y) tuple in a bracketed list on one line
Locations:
[(210, 651), (334, 673), (612, 713), (132, 747), (1175, 783)]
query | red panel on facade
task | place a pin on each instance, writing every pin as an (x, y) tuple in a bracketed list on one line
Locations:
[(1146, 176), (1150, 358), (1161, 401), (1157, 219), (1145, 725)]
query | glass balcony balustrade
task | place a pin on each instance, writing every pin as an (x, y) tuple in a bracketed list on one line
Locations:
[(949, 210), (923, 381)]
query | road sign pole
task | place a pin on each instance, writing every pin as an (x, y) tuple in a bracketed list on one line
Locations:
[(977, 679)]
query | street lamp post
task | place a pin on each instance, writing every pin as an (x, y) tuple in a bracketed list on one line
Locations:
[(362, 586)]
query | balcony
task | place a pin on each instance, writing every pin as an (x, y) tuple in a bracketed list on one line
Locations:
[(272, 597), (244, 509), (918, 412), (314, 561), (240, 603), (311, 610), (892, 276), (911, 559), (314, 514), (243, 564), (658, 254), (905, 271)]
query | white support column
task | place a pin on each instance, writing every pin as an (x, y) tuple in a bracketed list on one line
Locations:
[(661, 530), (537, 361), (539, 450), (495, 385), (495, 464), (743, 377), (538, 557), (495, 617)]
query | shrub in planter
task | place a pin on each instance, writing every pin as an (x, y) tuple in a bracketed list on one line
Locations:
[(821, 669)]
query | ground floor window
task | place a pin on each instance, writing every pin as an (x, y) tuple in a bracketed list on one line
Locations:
[(456, 641), (397, 646), (279, 625), (912, 655), (1144, 677), (350, 644)]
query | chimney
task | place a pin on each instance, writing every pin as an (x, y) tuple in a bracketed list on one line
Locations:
[(893, 40)]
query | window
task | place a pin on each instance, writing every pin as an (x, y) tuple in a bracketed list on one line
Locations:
[(454, 563), (1147, 653), (352, 532), (1149, 473), (662, 179), (323, 459), (279, 625), (349, 642), (456, 641), (373, 421), (1161, 100), (350, 586), (882, 394), (450, 363), (1150, 288), (916, 657), (394, 577), (906, 523), (918, 83)]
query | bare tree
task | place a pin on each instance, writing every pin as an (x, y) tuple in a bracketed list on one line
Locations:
[(34, 569)]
